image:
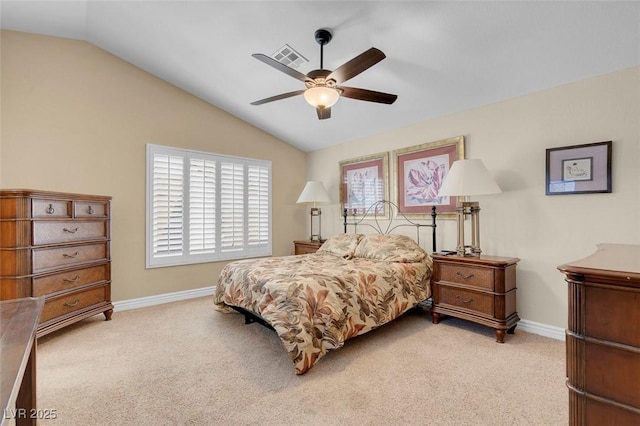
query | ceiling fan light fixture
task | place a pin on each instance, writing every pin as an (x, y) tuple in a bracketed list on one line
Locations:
[(321, 96)]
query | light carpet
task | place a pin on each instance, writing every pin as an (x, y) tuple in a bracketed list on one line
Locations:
[(184, 363)]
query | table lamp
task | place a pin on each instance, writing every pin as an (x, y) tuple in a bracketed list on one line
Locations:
[(468, 177), (314, 193)]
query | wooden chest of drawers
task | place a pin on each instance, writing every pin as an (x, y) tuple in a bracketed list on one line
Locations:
[(603, 336), (56, 245), (480, 289)]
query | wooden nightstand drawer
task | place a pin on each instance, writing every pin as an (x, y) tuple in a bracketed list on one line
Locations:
[(469, 275), (306, 247), (471, 300)]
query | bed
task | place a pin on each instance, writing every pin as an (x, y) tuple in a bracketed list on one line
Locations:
[(315, 302)]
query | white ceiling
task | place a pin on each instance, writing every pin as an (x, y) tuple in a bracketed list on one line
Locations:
[(442, 57)]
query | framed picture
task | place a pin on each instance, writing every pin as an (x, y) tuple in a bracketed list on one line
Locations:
[(579, 169), (421, 169), (363, 181)]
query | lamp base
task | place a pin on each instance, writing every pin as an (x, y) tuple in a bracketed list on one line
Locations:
[(316, 212), (472, 209)]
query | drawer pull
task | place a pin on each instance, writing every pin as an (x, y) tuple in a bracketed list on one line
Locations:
[(71, 256), (464, 300), (51, 210), (71, 280), (71, 305), (71, 231), (463, 276), (90, 210)]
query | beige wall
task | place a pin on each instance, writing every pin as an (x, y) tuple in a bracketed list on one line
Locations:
[(76, 119), (511, 138)]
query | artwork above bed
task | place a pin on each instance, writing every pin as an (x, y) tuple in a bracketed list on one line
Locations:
[(420, 171)]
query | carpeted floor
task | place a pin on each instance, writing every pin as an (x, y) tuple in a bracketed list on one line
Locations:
[(184, 363)]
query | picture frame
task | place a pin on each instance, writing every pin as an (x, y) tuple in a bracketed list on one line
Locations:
[(578, 169), (420, 171), (364, 181)]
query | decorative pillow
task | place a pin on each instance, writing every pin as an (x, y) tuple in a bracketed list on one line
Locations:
[(343, 245), (391, 248)]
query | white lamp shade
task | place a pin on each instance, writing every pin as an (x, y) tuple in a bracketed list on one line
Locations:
[(468, 177), (321, 96), (314, 193)]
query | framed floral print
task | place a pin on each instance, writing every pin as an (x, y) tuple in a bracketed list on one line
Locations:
[(363, 182), (420, 170)]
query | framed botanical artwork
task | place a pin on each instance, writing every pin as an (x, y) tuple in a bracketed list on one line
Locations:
[(579, 169), (363, 182), (420, 171)]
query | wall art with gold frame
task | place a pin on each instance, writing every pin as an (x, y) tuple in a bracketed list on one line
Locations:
[(420, 171), (363, 182)]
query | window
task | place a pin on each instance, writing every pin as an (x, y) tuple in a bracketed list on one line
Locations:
[(204, 207)]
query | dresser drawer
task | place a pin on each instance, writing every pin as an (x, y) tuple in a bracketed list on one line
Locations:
[(471, 300), (72, 302), (62, 281), (90, 209), (50, 208), (469, 275), (62, 232), (50, 258)]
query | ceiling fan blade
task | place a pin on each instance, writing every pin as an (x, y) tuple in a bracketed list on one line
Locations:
[(281, 67), (367, 95), (355, 66), (323, 113), (278, 97)]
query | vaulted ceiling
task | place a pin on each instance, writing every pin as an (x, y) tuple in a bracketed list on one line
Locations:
[(442, 57)]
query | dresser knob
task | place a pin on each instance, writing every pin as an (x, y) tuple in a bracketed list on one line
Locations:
[(90, 210), (71, 280), (71, 256), (51, 210), (71, 231)]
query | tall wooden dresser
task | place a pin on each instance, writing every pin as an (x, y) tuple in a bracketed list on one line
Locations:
[(56, 245), (603, 336)]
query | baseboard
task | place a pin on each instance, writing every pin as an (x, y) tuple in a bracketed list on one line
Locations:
[(143, 302), (159, 299), (541, 329)]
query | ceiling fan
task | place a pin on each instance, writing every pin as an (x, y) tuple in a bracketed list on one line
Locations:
[(323, 87)]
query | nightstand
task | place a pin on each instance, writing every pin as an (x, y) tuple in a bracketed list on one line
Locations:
[(480, 289), (306, 247)]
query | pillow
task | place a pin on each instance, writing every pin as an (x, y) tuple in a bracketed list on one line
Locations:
[(390, 248), (343, 245)]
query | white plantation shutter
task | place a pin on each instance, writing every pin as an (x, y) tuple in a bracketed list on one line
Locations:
[(168, 213), (258, 215), (231, 207), (204, 207)]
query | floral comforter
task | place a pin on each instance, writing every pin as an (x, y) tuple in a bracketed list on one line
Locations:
[(316, 302)]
